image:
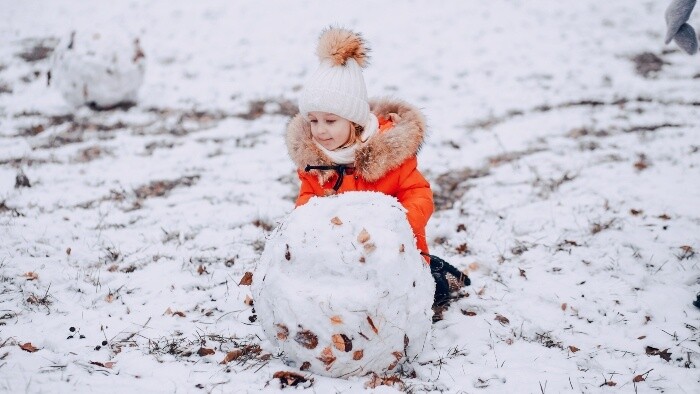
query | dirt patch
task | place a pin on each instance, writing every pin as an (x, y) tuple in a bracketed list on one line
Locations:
[(258, 108), (647, 64), (21, 180), (163, 187), (75, 132), (38, 50), (89, 154), (593, 103), (507, 157), (580, 132), (645, 128), (548, 186), (451, 186), (31, 131), (152, 146), (12, 211)]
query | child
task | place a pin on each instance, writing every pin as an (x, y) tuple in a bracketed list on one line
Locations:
[(340, 141)]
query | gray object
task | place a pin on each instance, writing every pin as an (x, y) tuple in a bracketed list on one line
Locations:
[(686, 39), (677, 14)]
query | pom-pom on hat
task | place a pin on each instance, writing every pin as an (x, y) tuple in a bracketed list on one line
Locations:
[(337, 86)]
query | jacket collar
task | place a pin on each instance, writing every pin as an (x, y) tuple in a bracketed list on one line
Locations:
[(382, 153)]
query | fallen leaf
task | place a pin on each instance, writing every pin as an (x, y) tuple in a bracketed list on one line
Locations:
[(522, 273), (642, 337), (342, 342), (652, 351), (168, 311), (205, 351), (336, 320), (109, 297), (236, 353), (202, 269), (363, 236), (397, 356), (469, 313), (248, 300), (481, 291), (232, 355), (358, 354), (636, 212), (473, 266), (247, 279), (282, 332), (376, 381), (305, 366), (336, 220), (178, 313), (608, 383), (371, 324), (642, 163), (638, 378), (462, 249), (306, 339), (68, 251), (563, 306), (31, 275), (362, 259), (327, 357), (370, 247), (664, 217), (573, 349), (113, 268), (502, 319), (402, 248), (28, 347), (287, 253), (509, 341), (288, 378)]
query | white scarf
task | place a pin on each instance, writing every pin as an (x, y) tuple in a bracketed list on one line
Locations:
[(347, 155)]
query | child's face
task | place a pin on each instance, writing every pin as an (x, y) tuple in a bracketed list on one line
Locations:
[(330, 130)]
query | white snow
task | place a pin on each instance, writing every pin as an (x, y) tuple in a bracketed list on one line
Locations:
[(341, 286), (566, 182), (98, 67)]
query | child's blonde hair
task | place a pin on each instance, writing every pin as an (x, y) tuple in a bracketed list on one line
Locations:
[(354, 137)]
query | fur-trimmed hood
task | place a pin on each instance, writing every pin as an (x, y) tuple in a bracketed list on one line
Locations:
[(381, 154)]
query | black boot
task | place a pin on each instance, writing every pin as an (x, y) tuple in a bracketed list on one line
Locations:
[(440, 268), (442, 288), (697, 301), (438, 264)]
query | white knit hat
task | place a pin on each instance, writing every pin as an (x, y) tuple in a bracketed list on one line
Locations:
[(337, 86)]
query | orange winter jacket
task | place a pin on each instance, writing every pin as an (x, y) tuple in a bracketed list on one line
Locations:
[(386, 163)]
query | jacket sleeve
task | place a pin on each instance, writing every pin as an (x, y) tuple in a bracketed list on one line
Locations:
[(416, 196), (306, 191)]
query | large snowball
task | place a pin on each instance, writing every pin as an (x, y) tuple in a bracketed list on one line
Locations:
[(98, 68), (341, 288)]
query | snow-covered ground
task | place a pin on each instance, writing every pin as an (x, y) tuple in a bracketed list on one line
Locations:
[(564, 152)]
